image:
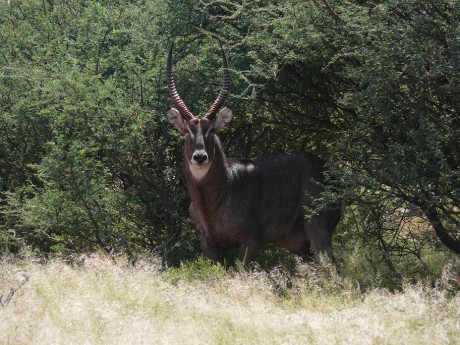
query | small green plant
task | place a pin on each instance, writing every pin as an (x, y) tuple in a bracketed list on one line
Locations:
[(277, 257), (200, 269)]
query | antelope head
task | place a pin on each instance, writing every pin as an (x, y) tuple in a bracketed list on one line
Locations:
[(200, 133)]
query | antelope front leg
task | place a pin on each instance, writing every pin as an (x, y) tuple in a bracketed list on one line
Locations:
[(210, 251)]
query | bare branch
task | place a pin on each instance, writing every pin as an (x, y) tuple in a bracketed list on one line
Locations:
[(325, 4)]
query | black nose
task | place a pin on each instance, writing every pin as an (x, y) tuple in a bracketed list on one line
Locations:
[(200, 157)]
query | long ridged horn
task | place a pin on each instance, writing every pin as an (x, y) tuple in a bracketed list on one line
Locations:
[(223, 91), (178, 102)]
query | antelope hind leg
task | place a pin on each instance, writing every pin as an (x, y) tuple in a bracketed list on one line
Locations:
[(248, 251)]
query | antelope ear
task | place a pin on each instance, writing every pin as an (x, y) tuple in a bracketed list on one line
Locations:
[(224, 117), (176, 120)]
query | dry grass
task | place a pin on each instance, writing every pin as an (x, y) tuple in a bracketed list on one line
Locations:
[(101, 302)]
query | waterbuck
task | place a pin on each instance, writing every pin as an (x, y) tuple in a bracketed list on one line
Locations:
[(246, 203)]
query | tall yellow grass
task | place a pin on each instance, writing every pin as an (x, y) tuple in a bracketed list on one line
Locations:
[(103, 302)]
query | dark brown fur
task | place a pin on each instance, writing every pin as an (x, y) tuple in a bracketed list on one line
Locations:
[(247, 203)]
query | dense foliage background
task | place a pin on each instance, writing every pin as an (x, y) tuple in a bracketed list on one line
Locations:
[(88, 162)]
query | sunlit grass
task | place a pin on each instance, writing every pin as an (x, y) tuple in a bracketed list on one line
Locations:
[(99, 301)]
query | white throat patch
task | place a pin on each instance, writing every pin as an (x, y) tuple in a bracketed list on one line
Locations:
[(198, 172)]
